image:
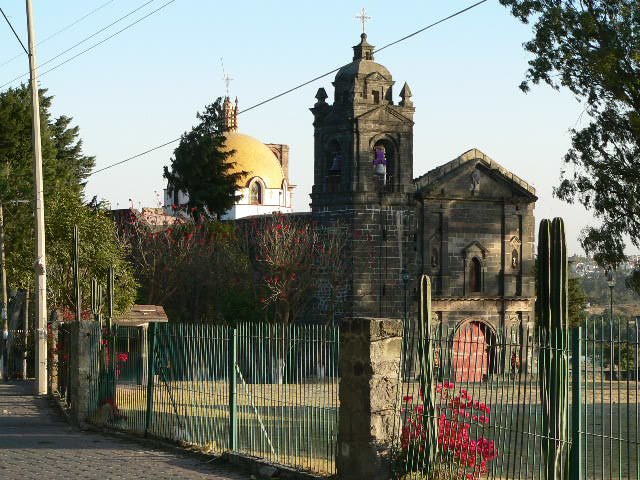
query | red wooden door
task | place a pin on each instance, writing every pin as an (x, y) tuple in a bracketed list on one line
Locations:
[(470, 353)]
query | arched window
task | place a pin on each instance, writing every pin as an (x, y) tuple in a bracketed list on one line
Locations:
[(475, 276), (255, 193)]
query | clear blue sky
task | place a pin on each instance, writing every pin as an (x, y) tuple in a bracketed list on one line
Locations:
[(143, 87)]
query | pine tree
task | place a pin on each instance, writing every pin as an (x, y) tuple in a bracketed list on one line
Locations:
[(65, 170), (201, 168)]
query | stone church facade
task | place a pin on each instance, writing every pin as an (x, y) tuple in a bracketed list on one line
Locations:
[(469, 223)]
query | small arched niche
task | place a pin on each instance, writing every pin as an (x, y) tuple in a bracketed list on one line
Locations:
[(335, 158), (475, 275), (383, 159)]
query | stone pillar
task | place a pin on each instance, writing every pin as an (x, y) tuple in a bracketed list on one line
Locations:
[(370, 351), (80, 357)]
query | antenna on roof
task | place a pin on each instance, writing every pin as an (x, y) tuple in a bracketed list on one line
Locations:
[(225, 77)]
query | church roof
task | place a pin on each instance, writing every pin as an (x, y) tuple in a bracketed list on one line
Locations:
[(253, 156), (432, 176), (362, 67)]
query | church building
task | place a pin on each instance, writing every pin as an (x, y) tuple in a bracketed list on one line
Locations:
[(266, 187), (468, 223)]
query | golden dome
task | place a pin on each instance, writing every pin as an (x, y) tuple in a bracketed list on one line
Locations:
[(254, 157)]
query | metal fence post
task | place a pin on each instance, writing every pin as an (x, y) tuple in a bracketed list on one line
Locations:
[(576, 460), (233, 403), (150, 377)]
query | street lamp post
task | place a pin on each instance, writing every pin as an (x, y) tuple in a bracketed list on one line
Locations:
[(3, 312), (405, 323), (611, 282)]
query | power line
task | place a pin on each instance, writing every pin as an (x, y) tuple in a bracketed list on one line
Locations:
[(270, 99), (135, 156), (297, 87), (75, 22), (89, 38), (107, 38), (14, 32)]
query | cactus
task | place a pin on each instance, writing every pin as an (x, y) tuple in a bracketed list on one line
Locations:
[(552, 313), (97, 300), (427, 375)]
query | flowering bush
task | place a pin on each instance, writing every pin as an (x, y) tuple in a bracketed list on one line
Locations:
[(459, 418), (292, 257)]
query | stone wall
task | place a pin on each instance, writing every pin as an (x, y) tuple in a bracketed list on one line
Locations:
[(381, 244)]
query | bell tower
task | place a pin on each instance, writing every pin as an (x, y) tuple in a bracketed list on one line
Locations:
[(363, 176), (363, 141)]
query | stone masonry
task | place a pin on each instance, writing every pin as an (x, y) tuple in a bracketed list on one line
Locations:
[(368, 391)]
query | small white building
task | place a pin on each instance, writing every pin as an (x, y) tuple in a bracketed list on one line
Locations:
[(266, 187)]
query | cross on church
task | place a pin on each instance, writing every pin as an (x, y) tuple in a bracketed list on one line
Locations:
[(225, 76), (227, 81), (363, 17)]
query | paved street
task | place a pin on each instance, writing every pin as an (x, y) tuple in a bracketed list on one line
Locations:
[(37, 443)]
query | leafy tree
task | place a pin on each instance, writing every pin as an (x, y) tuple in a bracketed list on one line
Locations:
[(99, 249), (632, 282), (200, 165), (598, 292), (593, 49), (65, 169), (577, 303), (298, 266), (194, 269)]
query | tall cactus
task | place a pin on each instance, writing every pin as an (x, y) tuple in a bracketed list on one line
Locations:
[(553, 361), (427, 375), (97, 300)]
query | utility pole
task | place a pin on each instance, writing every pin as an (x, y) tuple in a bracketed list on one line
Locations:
[(3, 312), (40, 263)]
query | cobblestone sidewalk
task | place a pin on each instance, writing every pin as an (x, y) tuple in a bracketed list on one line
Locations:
[(37, 443)]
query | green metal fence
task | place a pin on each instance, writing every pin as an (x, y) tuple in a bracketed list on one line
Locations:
[(610, 410), (262, 390), (488, 411)]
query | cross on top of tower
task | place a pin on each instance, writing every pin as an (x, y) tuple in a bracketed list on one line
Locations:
[(225, 77), (227, 81), (364, 18)]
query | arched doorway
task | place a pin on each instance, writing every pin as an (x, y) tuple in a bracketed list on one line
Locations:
[(472, 352)]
